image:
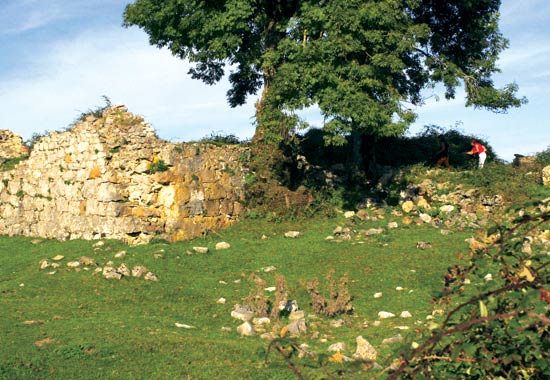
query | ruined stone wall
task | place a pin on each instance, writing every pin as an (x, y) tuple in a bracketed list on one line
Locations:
[(11, 145), (104, 179)]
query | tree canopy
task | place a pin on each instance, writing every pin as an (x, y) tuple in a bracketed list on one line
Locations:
[(364, 63)]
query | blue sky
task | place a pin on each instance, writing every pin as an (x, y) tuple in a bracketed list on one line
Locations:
[(58, 57)]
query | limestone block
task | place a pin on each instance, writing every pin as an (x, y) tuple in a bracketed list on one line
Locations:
[(108, 192), (166, 196), (546, 176)]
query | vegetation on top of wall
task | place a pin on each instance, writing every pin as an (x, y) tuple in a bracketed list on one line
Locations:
[(96, 112), (10, 163), (220, 138)]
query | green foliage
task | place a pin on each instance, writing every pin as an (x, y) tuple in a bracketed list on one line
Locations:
[(157, 166), (96, 112), (219, 138), (500, 328), (360, 62), (10, 163)]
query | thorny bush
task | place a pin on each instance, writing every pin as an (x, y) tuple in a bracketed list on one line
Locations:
[(501, 326)]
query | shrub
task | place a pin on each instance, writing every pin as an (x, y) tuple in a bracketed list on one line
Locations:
[(501, 328), (220, 138), (157, 166), (339, 300)]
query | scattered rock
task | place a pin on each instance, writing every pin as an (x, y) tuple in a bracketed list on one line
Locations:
[(58, 257), (297, 327), (374, 231), (365, 351), (270, 289), (200, 249), (337, 347), (85, 260), (123, 270), (385, 314), (33, 322), (394, 339), (44, 264), (296, 315), (407, 206), (99, 244), (36, 241), (242, 312), (392, 225), (222, 245), (337, 323), (221, 301), (425, 217), (246, 329), (261, 321), (150, 276), (405, 314), (378, 295), (138, 271), (447, 209), (349, 214), (292, 234), (111, 274), (183, 326), (120, 254), (268, 269), (73, 264), (423, 203), (423, 245)]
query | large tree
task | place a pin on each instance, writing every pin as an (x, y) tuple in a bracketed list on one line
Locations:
[(364, 63)]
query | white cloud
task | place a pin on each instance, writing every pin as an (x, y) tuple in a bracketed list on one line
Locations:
[(70, 76)]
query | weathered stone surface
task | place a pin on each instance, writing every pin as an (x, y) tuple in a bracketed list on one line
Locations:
[(222, 245), (546, 176), (407, 206), (246, 329), (365, 351), (11, 145), (96, 181), (242, 312), (292, 234), (297, 327)]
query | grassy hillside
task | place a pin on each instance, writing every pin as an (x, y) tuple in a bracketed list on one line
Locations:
[(72, 323), (78, 325)]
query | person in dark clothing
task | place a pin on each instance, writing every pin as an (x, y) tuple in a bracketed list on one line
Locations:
[(442, 156)]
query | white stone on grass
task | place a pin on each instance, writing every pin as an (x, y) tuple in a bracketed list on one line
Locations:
[(385, 315), (365, 351), (246, 329), (183, 326), (292, 234), (222, 245)]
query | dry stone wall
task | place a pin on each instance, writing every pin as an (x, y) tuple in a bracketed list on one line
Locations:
[(111, 177), (11, 145)]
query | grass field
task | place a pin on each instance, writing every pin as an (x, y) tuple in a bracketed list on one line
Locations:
[(78, 325)]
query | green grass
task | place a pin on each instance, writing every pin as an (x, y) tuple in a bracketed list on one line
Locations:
[(108, 329)]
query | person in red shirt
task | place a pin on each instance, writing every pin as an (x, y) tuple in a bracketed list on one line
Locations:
[(480, 150)]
